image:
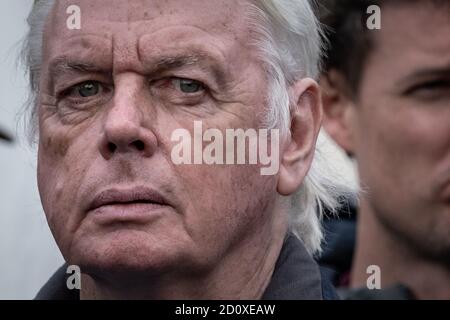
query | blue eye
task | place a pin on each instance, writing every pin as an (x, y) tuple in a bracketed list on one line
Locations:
[(87, 89), (187, 85)]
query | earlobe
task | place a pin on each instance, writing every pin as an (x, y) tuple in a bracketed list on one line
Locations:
[(338, 110), (298, 151)]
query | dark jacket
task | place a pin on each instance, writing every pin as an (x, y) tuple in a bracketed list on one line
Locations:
[(296, 277)]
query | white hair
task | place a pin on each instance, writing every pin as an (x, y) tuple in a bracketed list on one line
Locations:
[(289, 44), (290, 41)]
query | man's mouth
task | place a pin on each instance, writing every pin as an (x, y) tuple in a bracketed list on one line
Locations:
[(127, 205)]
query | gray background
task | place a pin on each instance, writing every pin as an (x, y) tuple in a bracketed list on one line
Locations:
[(28, 253)]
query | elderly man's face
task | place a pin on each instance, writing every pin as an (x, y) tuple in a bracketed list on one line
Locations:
[(399, 129), (112, 94)]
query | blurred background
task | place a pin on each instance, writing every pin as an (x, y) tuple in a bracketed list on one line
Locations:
[(28, 253)]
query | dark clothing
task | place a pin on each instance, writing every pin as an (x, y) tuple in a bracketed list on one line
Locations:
[(56, 288), (339, 245), (296, 276), (337, 256)]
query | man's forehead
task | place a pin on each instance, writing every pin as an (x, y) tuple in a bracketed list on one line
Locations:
[(208, 14), (413, 36), (421, 25)]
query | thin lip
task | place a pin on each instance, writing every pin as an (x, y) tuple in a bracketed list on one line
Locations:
[(117, 196)]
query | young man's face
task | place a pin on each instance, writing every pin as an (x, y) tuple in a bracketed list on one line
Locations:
[(399, 126)]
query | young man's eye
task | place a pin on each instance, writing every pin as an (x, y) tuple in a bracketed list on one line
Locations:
[(431, 87), (188, 86)]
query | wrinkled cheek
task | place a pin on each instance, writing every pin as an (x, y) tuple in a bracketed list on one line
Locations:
[(51, 176), (47, 174), (223, 200)]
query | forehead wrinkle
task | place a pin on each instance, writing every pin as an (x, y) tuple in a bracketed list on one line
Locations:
[(80, 51), (217, 63), (190, 54), (125, 53)]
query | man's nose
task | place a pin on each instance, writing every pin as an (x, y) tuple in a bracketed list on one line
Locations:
[(125, 130)]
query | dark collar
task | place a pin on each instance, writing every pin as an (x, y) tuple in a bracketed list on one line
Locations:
[(296, 277)]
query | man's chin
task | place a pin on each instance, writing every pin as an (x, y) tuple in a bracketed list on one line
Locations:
[(133, 254)]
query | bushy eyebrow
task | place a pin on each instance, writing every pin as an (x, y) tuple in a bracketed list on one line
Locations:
[(64, 65), (443, 71), (422, 74), (173, 62)]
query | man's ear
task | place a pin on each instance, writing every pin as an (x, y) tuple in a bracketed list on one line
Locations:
[(338, 109), (298, 150)]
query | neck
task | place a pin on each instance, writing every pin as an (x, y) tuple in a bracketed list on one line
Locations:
[(243, 273), (399, 262)]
